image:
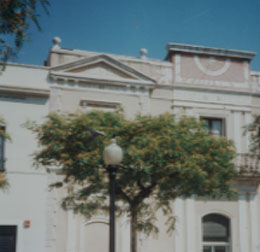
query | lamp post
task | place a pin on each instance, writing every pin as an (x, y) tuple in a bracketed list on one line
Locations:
[(112, 155)]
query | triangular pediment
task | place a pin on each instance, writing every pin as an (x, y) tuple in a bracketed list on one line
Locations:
[(101, 67)]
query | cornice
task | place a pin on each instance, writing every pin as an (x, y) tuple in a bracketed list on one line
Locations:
[(106, 82), (13, 64), (24, 91), (216, 90), (83, 54), (172, 47)]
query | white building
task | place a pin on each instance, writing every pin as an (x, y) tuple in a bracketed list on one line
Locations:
[(24, 95), (212, 84)]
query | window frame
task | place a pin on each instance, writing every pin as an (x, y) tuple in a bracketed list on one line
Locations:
[(92, 105), (9, 231), (214, 244), (2, 149), (210, 119), (19, 234)]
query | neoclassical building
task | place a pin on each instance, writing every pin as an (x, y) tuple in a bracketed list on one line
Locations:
[(211, 84)]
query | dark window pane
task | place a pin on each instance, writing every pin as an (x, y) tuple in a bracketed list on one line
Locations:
[(216, 129), (259, 136), (8, 238), (215, 228), (1, 146), (214, 126), (207, 249), (221, 249), (1, 150)]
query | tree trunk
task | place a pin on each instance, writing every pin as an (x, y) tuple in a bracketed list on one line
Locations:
[(133, 223)]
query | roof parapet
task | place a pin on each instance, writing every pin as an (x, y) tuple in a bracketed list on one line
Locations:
[(172, 47)]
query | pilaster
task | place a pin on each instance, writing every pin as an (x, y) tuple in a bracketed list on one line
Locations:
[(179, 232), (243, 223), (190, 224), (71, 244)]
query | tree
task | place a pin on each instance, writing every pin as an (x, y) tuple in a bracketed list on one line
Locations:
[(253, 129), (3, 136), (15, 19), (3, 181), (163, 159)]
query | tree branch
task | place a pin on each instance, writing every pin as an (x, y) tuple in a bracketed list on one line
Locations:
[(144, 193), (123, 194), (140, 184)]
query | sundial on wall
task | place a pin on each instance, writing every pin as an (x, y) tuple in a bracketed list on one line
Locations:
[(211, 65)]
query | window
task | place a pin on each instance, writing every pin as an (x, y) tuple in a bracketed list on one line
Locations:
[(216, 233), (215, 126), (8, 238), (2, 145), (90, 105)]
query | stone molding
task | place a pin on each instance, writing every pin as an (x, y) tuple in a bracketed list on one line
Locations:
[(81, 54), (214, 89), (172, 47), (107, 60), (102, 104), (106, 82), (210, 72), (25, 91)]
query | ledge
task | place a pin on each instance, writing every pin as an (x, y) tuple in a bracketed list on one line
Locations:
[(101, 81), (25, 91), (171, 47)]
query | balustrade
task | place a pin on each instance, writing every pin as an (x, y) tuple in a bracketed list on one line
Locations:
[(247, 164)]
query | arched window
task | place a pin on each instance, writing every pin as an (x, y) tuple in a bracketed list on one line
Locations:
[(216, 233)]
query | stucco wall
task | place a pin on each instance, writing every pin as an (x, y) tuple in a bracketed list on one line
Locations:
[(25, 199)]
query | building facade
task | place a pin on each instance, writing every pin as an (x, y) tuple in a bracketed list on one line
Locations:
[(24, 96), (211, 84)]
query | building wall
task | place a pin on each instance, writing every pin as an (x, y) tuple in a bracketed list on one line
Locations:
[(25, 199)]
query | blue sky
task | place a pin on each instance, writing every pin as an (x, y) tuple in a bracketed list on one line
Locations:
[(123, 27)]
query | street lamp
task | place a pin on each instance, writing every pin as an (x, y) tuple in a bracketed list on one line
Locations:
[(112, 155)]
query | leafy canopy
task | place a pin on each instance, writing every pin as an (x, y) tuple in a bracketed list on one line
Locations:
[(15, 19), (163, 159), (3, 136)]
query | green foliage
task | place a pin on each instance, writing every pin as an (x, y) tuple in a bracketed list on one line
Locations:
[(3, 133), (3, 181), (163, 159), (253, 130), (15, 19)]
